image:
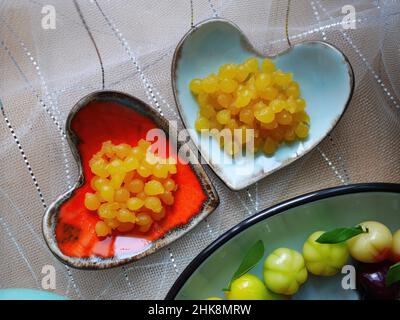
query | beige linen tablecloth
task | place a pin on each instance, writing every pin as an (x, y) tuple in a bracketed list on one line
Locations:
[(45, 71)]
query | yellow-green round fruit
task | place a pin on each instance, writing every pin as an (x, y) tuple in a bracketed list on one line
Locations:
[(247, 287), (277, 296), (324, 259), (395, 254), (371, 247), (285, 271)]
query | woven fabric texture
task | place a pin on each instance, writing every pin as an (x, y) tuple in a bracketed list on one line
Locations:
[(44, 72)]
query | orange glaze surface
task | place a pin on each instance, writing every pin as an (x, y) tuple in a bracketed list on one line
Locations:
[(75, 231)]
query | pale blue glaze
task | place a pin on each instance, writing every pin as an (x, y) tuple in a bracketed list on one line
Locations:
[(290, 229), (28, 294), (324, 75)]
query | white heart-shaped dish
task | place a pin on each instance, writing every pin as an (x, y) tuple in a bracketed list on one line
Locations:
[(323, 72)]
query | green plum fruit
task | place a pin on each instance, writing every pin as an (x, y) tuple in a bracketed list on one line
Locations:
[(324, 259), (284, 271), (373, 246)]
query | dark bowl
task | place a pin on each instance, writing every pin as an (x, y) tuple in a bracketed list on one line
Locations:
[(289, 224)]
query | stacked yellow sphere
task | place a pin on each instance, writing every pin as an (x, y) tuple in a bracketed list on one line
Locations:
[(132, 187), (249, 96)]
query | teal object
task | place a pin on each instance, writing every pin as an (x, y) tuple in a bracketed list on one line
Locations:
[(28, 294), (288, 225), (325, 76)]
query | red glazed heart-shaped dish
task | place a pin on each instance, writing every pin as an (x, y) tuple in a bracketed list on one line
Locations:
[(107, 220)]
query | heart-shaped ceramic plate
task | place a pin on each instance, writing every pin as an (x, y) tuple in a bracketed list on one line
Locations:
[(323, 72), (69, 227)]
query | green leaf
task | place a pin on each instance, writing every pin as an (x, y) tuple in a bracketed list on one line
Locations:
[(340, 235), (393, 274), (252, 257)]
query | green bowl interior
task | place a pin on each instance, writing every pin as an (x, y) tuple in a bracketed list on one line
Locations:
[(290, 229)]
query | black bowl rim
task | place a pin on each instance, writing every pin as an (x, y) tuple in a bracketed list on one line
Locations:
[(269, 212)]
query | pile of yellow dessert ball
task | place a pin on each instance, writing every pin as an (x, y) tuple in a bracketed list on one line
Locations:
[(132, 187), (249, 96)]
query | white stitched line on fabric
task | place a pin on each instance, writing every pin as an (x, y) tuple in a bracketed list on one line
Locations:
[(21, 151), (71, 277), (7, 229), (164, 276), (315, 30), (340, 158), (49, 99), (331, 165), (34, 180), (368, 65), (162, 99), (111, 282), (158, 94), (171, 256), (127, 277), (210, 230), (251, 198), (316, 13), (57, 92), (243, 204), (39, 240), (215, 13), (33, 177), (40, 101), (115, 83), (8, 51), (128, 50), (19, 145), (68, 287), (37, 70)]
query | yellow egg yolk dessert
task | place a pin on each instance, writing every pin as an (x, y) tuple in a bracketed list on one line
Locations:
[(131, 188), (250, 96)]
